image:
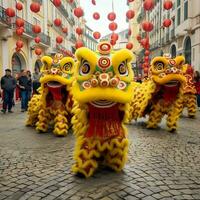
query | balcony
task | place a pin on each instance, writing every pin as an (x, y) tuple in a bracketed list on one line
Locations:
[(71, 20), (72, 38), (3, 17)]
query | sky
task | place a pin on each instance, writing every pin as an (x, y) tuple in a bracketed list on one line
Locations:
[(103, 7)]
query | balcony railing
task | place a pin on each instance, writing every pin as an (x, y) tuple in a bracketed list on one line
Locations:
[(3, 17)]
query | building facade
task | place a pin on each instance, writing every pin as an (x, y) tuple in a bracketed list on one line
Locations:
[(183, 36), (26, 58), (88, 39)]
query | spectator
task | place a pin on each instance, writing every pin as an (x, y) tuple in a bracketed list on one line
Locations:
[(29, 85), (8, 85), (197, 85), (24, 85), (36, 80), (139, 78)]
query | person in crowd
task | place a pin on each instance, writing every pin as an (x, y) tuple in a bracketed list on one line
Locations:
[(139, 78), (8, 85), (197, 85), (29, 84), (36, 80), (24, 85)]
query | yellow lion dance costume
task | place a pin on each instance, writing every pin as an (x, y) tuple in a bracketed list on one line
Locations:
[(189, 90), (102, 92), (53, 104), (161, 94)]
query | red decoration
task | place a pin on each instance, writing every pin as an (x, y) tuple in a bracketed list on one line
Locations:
[(113, 26), (65, 30), (37, 39), (78, 12), (19, 31), (130, 1), (19, 6), (144, 42), (79, 44), (146, 53), (168, 4), (10, 12), (138, 37), (130, 14), (17, 49), (57, 3), (145, 70), (93, 2), (96, 15), (36, 29), (59, 39), (113, 42), (19, 22), (57, 22), (114, 36), (129, 45), (38, 51), (146, 58), (35, 7), (148, 4), (79, 31), (96, 35), (19, 44), (129, 32), (167, 22), (71, 1), (147, 26), (111, 16)]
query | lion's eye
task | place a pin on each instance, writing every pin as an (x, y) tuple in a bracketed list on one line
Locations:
[(85, 68), (159, 65), (67, 67), (123, 70)]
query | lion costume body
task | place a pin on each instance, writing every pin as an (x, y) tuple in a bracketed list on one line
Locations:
[(102, 92), (53, 104), (161, 94)]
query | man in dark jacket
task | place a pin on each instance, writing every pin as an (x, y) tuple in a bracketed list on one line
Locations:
[(8, 85), (24, 85)]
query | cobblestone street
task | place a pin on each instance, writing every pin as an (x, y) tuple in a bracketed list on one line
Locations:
[(161, 165)]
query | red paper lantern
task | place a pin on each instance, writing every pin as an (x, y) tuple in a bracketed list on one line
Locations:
[(146, 70), (130, 1), (57, 3), (36, 29), (35, 7), (129, 32), (94, 2), (19, 6), (148, 4), (79, 31), (59, 39), (19, 22), (114, 36), (130, 14), (113, 42), (129, 46), (167, 22), (138, 37), (168, 4), (65, 30), (113, 26), (111, 16), (19, 31), (96, 15), (38, 51), (10, 12), (19, 44), (144, 42), (78, 12), (79, 44), (146, 58), (96, 35), (146, 53), (37, 39), (147, 26), (57, 22), (71, 1), (145, 65)]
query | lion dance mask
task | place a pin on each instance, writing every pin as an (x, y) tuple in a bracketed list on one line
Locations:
[(52, 105), (161, 94), (102, 92)]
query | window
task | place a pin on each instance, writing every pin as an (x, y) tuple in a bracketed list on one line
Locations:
[(178, 16), (36, 21), (178, 3), (185, 10)]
